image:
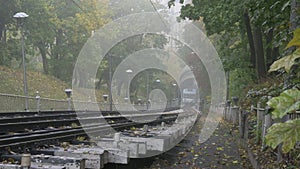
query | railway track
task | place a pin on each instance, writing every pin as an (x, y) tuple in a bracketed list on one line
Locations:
[(32, 127), (53, 137)]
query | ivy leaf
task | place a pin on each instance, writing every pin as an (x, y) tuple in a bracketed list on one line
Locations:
[(296, 40), (287, 133), (287, 62), (285, 5), (287, 102)]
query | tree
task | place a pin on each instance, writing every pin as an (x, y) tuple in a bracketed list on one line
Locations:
[(75, 21), (226, 17), (40, 28), (9, 47), (123, 50), (59, 29)]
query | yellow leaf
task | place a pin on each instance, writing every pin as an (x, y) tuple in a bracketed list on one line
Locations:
[(220, 148), (296, 40)]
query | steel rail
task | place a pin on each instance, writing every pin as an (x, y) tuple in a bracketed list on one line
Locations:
[(69, 133), (18, 124)]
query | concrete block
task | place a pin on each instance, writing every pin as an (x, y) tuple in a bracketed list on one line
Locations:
[(94, 158), (10, 166), (126, 146), (135, 148), (118, 156), (46, 166), (132, 147), (68, 162), (142, 147), (157, 143)]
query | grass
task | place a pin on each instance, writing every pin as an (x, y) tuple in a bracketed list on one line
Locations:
[(11, 82)]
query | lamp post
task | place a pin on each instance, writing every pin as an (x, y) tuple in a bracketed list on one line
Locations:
[(147, 92), (128, 71), (105, 100), (38, 101), (175, 92), (68, 92), (158, 101), (20, 16), (110, 83)]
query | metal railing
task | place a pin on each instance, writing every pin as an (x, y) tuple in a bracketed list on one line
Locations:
[(16, 103)]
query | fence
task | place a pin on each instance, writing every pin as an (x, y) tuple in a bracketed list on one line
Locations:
[(16, 103), (257, 129)]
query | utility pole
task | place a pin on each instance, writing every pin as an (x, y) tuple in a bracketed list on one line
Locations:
[(147, 90), (110, 83)]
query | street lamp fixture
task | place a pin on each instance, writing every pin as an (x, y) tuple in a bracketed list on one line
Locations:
[(105, 97), (175, 92), (68, 92), (129, 71), (126, 99), (20, 16)]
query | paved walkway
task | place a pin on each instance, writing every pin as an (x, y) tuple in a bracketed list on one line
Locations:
[(220, 151)]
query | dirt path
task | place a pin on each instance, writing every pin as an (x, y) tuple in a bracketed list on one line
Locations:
[(220, 151)]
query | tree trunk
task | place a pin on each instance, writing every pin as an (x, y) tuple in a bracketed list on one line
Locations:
[(4, 38), (98, 84), (250, 39), (295, 23), (57, 54), (2, 32), (269, 39), (295, 18), (275, 54), (2, 43), (259, 51), (44, 59)]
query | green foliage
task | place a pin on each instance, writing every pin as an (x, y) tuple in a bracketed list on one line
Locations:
[(271, 14), (287, 133), (54, 30), (124, 49), (240, 78), (225, 24), (261, 92), (286, 62), (287, 102)]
